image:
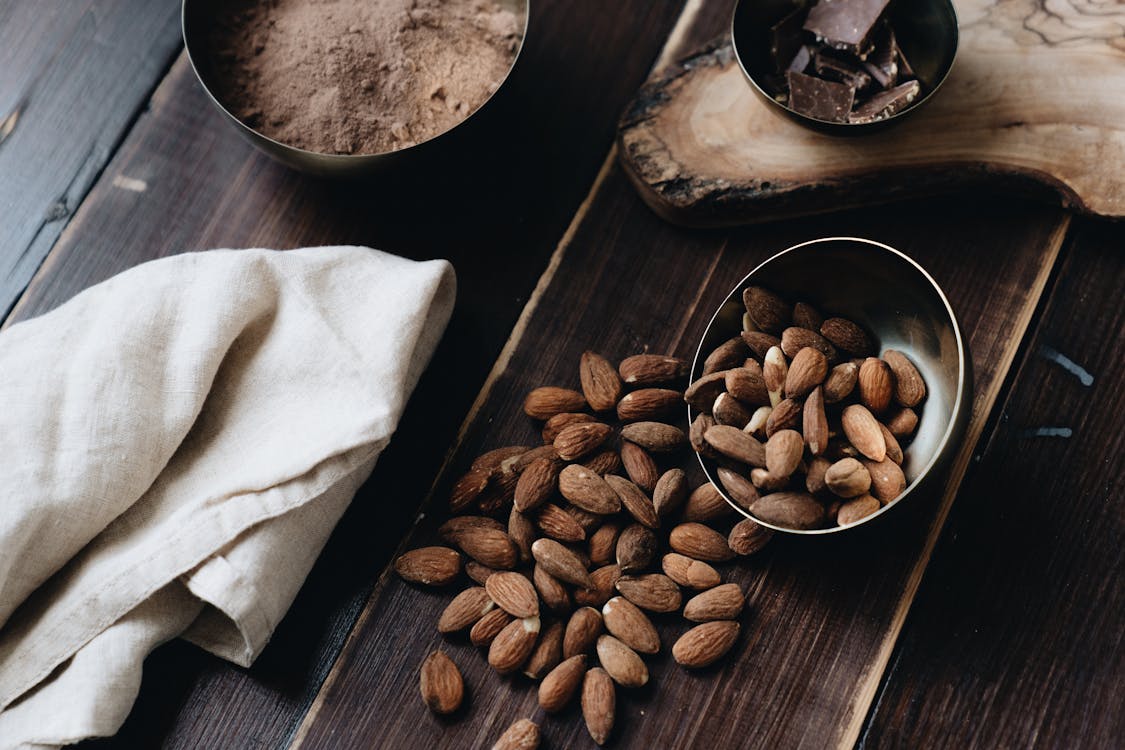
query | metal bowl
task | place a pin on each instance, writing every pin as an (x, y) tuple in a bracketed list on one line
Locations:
[(926, 31), (198, 18), (894, 298)]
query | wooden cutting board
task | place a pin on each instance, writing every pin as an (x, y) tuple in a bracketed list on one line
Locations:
[(1035, 103)]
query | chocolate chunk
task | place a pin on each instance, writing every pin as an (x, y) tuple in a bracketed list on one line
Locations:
[(885, 103), (846, 24), (832, 68), (787, 38), (800, 60), (819, 99)]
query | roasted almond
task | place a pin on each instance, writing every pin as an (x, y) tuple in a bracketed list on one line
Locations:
[(603, 462), (699, 541), (775, 370), (621, 662), (603, 543), (740, 489), (723, 602), (856, 509), (454, 527), (598, 704), (513, 645), (783, 452), (488, 627), (513, 593), (585, 519), (814, 479), (489, 547), (748, 537), (604, 583), (491, 460), (706, 504), (577, 440), (699, 427), (760, 342), (766, 308), (556, 523), (887, 479), (727, 410), (726, 355), (560, 562), (910, 388), (441, 684), (894, 450), (547, 653), (518, 464), (655, 436), (785, 416), (547, 401), (848, 336), (815, 422), (652, 369), (634, 500), (791, 510), (432, 566), (758, 421), (876, 384), (468, 488), (763, 481), (553, 426), (521, 531), (847, 478), (600, 382), (478, 572), (653, 591), (630, 625), (648, 403), (582, 631), (705, 644), (689, 572), (639, 466), (840, 382), (747, 384), (736, 444), (551, 590), (794, 339), (466, 608), (702, 393), (561, 683), (808, 369), (636, 548), (863, 431), (807, 316), (670, 493), (522, 735), (537, 483), (587, 490), (902, 422)]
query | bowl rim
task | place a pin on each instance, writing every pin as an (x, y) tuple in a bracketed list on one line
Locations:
[(958, 400), (345, 158), (830, 126)]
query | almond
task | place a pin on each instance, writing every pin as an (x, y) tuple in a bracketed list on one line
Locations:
[(670, 492), (513, 645), (466, 608), (586, 520), (736, 444), (699, 541), (468, 488), (902, 423), (894, 450), (587, 490), (603, 543), (688, 572), (553, 426), (537, 483), (785, 416), (492, 459), (454, 527), (582, 630), (807, 316), (518, 464), (521, 531), (478, 572), (758, 421), (783, 452), (887, 479), (621, 662), (748, 537), (655, 436), (652, 369), (560, 562), (547, 653), (489, 547), (556, 523), (814, 479), (794, 339), (741, 490), (775, 370), (840, 382), (848, 336), (634, 500), (791, 510), (513, 593), (847, 478), (720, 603), (910, 388), (766, 308), (808, 369), (598, 704), (726, 355), (600, 382), (653, 591), (523, 735), (639, 466), (636, 548), (760, 342), (432, 566), (648, 403), (705, 644), (630, 625), (728, 411), (856, 509), (579, 439), (747, 384), (876, 384), (604, 462), (604, 583), (706, 504), (441, 684), (551, 590), (766, 482), (546, 402), (488, 627), (702, 393), (561, 683), (699, 427), (864, 432)]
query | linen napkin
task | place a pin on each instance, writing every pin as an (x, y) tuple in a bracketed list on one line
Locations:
[(176, 445)]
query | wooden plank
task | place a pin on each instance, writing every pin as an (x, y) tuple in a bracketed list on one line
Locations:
[(496, 211), (73, 76), (1015, 639)]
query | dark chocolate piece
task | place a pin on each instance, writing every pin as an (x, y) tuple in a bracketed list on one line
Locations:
[(801, 60), (832, 68), (846, 24), (787, 37), (819, 99), (885, 103)]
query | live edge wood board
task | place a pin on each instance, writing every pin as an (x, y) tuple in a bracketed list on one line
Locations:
[(1035, 103)]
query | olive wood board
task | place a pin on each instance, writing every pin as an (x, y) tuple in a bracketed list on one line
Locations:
[(1034, 104)]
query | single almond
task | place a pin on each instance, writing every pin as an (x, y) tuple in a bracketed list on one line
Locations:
[(856, 509), (648, 403), (652, 591), (478, 572), (582, 631), (466, 608), (547, 401), (760, 342), (600, 382), (902, 422), (431, 566), (727, 410), (740, 489), (887, 479), (894, 450), (553, 426), (598, 704), (652, 369), (518, 464), (815, 422), (807, 316), (747, 384), (775, 370), (702, 393), (604, 462), (699, 541), (705, 644), (551, 590), (547, 653), (522, 531), (639, 466), (723, 602), (634, 500), (621, 662), (791, 510), (655, 436), (454, 527), (848, 336), (785, 416), (603, 543), (560, 562), (468, 488), (766, 308), (847, 478), (795, 338), (625, 621), (876, 384), (910, 388), (767, 482), (578, 440), (561, 683), (706, 503), (814, 479), (489, 547), (863, 431), (670, 492), (488, 627), (808, 369), (840, 382), (748, 537), (636, 548), (556, 523), (699, 427), (536, 484), (726, 355), (689, 572), (604, 582), (783, 452), (513, 645), (758, 421), (587, 490), (441, 684), (513, 593), (522, 735), (736, 444)]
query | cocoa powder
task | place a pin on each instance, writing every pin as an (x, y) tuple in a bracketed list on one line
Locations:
[(360, 76)]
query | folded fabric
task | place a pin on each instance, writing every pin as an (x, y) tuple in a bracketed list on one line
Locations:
[(178, 442)]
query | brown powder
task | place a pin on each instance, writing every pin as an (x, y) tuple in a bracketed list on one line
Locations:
[(360, 76)]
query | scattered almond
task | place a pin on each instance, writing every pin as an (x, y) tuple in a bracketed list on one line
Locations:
[(488, 627), (547, 653), (523, 735), (621, 662), (636, 548), (630, 625), (561, 683), (582, 631), (558, 524), (560, 562), (587, 490), (807, 370), (652, 369), (546, 402), (705, 644), (783, 452), (598, 704), (648, 403), (441, 684), (691, 573), (910, 389), (848, 336), (876, 384), (432, 566), (579, 439), (639, 466), (600, 382), (653, 591), (856, 509), (723, 602), (513, 593), (634, 501), (847, 478), (553, 426), (670, 492), (513, 645), (699, 541), (655, 436), (466, 608), (748, 537), (863, 432)]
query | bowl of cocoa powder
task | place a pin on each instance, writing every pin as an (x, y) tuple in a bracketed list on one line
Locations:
[(348, 87)]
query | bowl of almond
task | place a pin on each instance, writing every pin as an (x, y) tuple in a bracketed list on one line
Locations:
[(831, 384)]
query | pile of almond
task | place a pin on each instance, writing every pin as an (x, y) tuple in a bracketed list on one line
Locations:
[(574, 547), (803, 424)]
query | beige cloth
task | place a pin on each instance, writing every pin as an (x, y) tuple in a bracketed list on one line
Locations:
[(176, 444)]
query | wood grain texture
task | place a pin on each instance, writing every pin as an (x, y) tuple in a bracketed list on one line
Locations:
[(704, 149), (73, 76), (496, 211), (1015, 639)]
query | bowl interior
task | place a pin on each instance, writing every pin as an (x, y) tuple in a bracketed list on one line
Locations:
[(926, 31), (888, 294)]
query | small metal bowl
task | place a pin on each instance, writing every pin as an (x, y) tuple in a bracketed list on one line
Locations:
[(198, 19), (894, 298), (926, 31)]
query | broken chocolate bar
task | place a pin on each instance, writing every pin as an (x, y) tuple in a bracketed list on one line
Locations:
[(846, 24), (886, 103), (831, 68), (820, 99)]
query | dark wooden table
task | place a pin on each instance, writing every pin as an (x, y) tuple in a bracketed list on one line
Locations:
[(996, 621)]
